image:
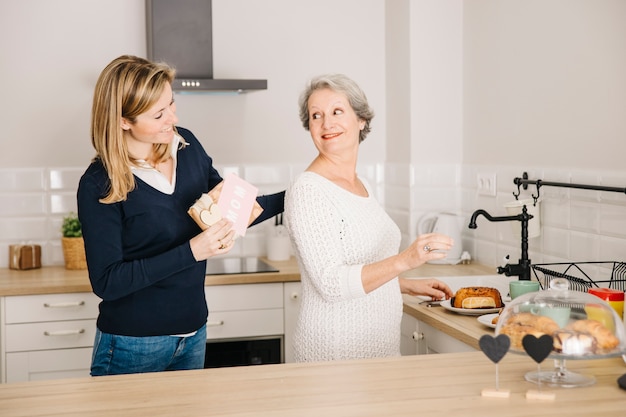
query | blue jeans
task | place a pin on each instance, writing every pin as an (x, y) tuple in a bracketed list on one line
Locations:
[(114, 354)]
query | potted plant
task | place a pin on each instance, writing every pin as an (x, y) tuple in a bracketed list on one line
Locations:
[(73, 244)]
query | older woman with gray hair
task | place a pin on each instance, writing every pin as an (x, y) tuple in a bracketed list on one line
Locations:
[(347, 246)]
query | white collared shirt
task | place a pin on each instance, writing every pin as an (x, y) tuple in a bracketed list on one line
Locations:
[(153, 176)]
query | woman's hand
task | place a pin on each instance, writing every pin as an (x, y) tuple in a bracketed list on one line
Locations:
[(216, 240), (427, 247), (431, 287)]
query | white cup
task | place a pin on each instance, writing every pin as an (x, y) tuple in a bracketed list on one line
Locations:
[(534, 225), (278, 244)]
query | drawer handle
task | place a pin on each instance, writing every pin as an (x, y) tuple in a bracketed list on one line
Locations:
[(215, 323), (294, 295), (64, 305), (64, 332)]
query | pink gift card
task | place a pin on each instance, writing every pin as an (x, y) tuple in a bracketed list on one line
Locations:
[(236, 202)]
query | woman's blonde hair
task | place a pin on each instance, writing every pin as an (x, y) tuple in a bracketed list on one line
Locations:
[(126, 88)]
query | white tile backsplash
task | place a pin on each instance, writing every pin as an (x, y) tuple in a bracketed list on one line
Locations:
[(22, 180), (584, 246), (584, 216), (612, 220), (63, 203), (577, 225), (24, 228), (262, 175), (22, 204), (65, 178)]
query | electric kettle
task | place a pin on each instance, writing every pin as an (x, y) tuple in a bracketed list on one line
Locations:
[(448, 224)]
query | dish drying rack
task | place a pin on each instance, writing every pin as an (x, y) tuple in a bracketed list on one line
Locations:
[(579, 274)]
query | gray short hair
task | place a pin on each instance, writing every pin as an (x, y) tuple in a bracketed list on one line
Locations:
[(342, 84)]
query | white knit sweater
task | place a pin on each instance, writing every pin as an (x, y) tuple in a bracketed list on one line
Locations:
[(335, 233)]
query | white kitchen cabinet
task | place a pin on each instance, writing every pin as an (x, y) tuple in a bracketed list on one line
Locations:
[(292, 296), (420, 338), (436, 341), (47, 336), (243, 311), (48, 364), (51, 336), (410, 336)]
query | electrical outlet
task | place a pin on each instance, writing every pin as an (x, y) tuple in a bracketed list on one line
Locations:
[(486, 184)]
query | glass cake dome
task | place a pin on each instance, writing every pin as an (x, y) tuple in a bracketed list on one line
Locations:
[(582, 326)]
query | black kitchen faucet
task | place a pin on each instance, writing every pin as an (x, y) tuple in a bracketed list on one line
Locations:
[(521, 269)]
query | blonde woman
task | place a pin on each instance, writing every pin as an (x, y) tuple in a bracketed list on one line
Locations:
[(145, 255)]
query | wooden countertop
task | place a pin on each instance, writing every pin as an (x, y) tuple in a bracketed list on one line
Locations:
[(57, 279), (467, 329), (421, 385)]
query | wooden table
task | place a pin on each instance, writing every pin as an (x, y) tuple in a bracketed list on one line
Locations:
[(425, 385)]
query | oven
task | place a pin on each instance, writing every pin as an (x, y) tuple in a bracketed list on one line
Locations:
[(243, 352), (246, 321)]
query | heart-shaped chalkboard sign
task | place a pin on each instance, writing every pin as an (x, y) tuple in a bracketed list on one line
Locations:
[(494, 347), (537, 348)]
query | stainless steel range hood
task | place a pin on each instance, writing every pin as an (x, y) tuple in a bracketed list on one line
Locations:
[(180, 33)]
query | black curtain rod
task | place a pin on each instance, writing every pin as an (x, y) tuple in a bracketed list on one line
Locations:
[(524, 181)]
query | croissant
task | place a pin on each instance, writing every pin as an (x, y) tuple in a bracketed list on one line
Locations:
[(605, 339)]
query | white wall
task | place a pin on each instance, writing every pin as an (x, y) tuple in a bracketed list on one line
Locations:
[(545, 92), (53, 51), (545, 83)]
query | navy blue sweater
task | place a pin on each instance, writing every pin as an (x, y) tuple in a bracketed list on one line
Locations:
[(138, 254)]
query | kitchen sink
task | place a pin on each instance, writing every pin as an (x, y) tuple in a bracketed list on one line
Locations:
[(238, 265)]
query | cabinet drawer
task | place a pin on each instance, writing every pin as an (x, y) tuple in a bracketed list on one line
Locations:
[(244, 297), (50, 335), (50, 307), (50, 364), (248, 323)]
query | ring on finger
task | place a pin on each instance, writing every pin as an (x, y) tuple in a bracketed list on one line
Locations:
[(427, 248)]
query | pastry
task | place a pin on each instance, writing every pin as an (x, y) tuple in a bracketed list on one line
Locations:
[(517, 331), (495, 318), (519, 325), (605, 339), (541, 323), (570, 342), (477, 297), (581, 337)]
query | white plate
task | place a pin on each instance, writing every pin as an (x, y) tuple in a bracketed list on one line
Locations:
[(468, 311), (486, 319)]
